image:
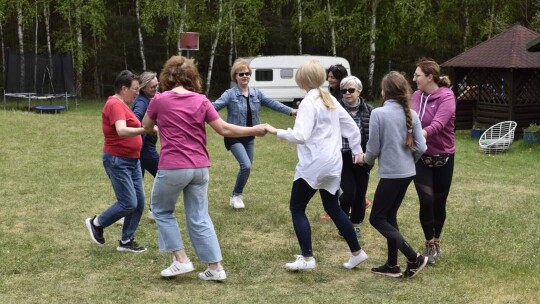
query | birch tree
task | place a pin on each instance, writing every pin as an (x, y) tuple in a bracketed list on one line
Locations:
[(141, 40), (46, 17), (20, 32), (217, 33), (372, 41)]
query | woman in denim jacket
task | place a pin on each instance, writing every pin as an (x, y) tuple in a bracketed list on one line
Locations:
[(243, 109)]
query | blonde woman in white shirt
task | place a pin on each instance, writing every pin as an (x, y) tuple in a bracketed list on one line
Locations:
[(320, 123)]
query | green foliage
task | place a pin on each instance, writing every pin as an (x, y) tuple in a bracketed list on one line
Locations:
[(533, 128)]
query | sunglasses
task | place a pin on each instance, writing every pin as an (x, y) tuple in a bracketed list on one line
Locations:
[(247, 74), (349, 90)]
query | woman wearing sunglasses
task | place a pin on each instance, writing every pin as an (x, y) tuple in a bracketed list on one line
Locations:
[(354, 179), (243, 109)]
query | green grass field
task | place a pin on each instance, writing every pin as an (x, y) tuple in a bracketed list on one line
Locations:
[(52, 179)]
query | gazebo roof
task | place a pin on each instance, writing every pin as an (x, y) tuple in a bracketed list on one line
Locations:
[(534, 45), (505, 50)]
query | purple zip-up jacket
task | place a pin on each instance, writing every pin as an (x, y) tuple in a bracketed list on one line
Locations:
[(437, 112)]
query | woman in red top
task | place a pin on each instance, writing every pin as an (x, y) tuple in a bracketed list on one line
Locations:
[(121, 151)]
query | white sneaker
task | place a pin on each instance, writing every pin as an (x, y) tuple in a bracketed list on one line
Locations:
[(177, 268), (120, 221), (301, 263), (236, 202), (151, 215), (354, 260), (213, 275)]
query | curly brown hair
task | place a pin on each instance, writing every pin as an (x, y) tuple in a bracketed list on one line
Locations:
[(180, 71)]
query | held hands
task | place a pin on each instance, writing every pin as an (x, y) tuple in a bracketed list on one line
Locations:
[(260, 130), (270, 129), (358, 159), (294, 112)]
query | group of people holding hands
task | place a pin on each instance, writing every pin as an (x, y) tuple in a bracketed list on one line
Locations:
[(338, 136)]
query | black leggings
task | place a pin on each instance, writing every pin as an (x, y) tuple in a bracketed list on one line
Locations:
[(433, 185), (354, 184), (301, 193), (388, 197)]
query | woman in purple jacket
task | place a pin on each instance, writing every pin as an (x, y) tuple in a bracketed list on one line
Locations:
[(435, 104)]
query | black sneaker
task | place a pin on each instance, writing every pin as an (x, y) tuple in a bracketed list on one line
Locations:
[(96, 232), (386, 270), (130, 246), (413, 268)]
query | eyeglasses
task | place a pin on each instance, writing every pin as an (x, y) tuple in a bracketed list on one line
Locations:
[(417, 75), (246, 74), (349, 90)]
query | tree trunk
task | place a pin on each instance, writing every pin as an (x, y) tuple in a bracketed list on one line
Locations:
[(491, 13), (79, 51), (467, 26), (332, 29), (21, 45), (231, 38), (36, 52), (46, 16), (299, 27), (141, 41), (372, 37), (3, 54), (181, 27), (97, 87), (213, 50)]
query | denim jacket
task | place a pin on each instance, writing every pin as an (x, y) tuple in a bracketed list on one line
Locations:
[(139, 108), (236, 105)]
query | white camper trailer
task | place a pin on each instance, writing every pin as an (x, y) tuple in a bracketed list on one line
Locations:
[(274, 75)]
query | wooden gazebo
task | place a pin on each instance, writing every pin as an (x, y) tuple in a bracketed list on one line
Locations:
[(498, 80)]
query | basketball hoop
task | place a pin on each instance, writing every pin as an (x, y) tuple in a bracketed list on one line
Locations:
[(188, 41)]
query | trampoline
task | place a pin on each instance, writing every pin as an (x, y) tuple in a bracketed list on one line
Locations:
[(50, 109), (40, 81)]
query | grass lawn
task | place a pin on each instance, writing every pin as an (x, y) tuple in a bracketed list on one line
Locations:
[(52, 179)]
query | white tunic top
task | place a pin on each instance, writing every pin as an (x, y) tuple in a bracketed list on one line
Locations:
[(317, 132)]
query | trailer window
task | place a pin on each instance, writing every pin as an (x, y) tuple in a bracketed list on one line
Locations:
[(286, 73), (264, 75)]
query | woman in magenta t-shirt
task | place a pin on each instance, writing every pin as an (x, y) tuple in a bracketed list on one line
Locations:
[(181, 113)]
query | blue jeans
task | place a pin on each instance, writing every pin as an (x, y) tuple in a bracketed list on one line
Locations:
[(126, 178), (193, 183), (244, 155), (149, 160), (301, 193)]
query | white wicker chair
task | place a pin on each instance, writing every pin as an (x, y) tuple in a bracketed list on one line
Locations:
[(498, 138)]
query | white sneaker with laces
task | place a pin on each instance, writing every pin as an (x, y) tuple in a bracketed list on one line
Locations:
[(354, 260), (301, 263), (236, 202), (213, 275), (177, 268)]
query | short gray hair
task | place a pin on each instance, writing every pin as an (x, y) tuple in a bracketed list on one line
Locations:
[(145, 78), (350, 80)]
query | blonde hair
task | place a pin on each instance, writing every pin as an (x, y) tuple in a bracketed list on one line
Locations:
[(145, 78), (311, 75), (395, 86), (239, 64), (179, 70)]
